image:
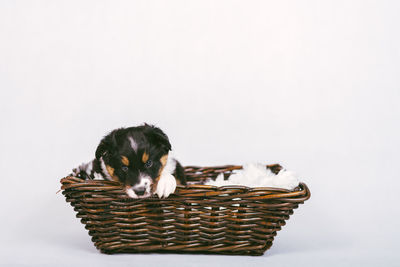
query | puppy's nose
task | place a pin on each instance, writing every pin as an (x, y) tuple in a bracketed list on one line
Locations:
[(140, 191)]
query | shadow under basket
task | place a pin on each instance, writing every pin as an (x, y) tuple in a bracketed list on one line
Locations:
[(196, 218)]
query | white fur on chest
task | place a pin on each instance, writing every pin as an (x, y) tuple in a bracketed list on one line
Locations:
[(167, 183)]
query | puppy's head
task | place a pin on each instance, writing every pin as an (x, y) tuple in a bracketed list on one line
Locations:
[(135, 157)]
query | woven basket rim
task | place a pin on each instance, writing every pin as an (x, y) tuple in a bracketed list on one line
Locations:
[(79, 181), (299, 194), (196, 218)]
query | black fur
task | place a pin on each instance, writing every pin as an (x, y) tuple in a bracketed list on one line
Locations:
[(180, 173), (148, 138)]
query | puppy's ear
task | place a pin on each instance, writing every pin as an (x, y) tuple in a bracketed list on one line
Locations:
[(157, 137), (108, 144)]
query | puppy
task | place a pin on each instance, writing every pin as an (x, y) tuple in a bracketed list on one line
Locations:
[(138, 158)]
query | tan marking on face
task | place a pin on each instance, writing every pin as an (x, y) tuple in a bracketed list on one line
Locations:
[(125, 160), (145, 157), (163, 160), (153, 186), (110, 171)]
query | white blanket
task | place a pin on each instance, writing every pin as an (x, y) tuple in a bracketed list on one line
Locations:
[(256, 175)]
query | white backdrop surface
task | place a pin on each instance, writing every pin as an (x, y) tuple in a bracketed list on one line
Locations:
[(312, 85)]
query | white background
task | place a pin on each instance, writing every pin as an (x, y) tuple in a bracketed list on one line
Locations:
[(313, 85)]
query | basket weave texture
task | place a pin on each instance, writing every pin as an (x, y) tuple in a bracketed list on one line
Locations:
[(196, 218)]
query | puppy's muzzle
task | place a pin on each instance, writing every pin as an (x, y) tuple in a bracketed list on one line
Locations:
[(141, 189)]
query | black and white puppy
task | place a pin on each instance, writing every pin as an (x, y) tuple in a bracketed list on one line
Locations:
[(138, 158)]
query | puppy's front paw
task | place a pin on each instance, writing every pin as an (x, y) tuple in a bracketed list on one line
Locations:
[(166, 185), (129, 191)]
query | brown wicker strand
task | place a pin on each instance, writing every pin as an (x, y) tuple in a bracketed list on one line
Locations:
[(196, 218)]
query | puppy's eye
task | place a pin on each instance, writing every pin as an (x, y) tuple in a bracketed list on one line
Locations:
[(148, 163), (124, 168)]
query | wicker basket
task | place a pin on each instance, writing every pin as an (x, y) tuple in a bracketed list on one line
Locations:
[(197, 218)]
